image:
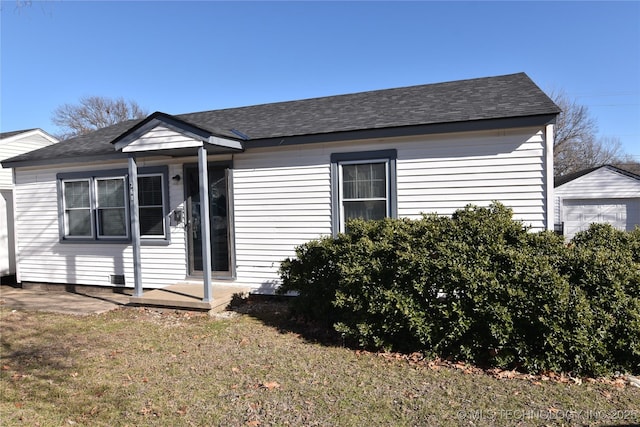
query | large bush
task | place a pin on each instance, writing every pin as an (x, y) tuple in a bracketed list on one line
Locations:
[(477, 286)]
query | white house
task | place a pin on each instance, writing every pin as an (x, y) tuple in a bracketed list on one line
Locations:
[(223, 196), (604, 194), (13, 144)]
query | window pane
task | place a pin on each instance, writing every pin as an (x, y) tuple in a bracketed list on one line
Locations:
[(151, 211), (79, 222), (151, 222), (370, 209), (364, 181), (111, 222), (150, 190), (110, 193), (76, 194)]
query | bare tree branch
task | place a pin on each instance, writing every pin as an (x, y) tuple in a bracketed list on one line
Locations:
[(94, 112), (576, 146)]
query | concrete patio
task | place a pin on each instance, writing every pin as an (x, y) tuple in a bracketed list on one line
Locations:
[(84, 300), (188, 296)]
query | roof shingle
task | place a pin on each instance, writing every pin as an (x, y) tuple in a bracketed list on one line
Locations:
[(501, 97)]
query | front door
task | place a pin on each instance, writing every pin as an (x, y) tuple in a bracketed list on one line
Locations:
[(218, 220)]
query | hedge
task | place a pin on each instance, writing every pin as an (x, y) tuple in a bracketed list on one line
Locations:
[(480, 287)]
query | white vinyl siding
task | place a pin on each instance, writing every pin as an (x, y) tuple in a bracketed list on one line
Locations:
[(43, 258), (161, 138), (11, 147), (282, 195), (281, 198), (16, 145), (445, 175)]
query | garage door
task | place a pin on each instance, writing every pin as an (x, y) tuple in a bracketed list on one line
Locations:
[(578, 214)]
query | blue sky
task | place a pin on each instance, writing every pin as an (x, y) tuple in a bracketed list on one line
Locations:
[(180, 57)]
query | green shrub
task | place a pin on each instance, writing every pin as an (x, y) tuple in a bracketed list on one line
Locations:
[(477, 286)]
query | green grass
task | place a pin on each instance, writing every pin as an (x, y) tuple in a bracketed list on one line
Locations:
[(140, 367)]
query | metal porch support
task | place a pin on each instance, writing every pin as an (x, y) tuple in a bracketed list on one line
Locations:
[(204, 224), (135, 226)]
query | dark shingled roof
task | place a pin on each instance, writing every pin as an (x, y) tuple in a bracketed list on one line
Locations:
[(489, 98)]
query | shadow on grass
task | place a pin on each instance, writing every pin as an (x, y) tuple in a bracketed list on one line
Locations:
[(34, 352), (275, 311)]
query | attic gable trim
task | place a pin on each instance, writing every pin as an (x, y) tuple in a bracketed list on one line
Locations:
[(176, 125)]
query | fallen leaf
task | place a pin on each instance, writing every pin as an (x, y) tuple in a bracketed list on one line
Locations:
[(235, 370), (620, 383), (18, 405), (270, 385), (5, 367)]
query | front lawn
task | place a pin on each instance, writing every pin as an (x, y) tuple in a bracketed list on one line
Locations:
[(143, 367)]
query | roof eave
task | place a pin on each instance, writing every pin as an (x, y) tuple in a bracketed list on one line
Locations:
[(402, 131), (63, 160)]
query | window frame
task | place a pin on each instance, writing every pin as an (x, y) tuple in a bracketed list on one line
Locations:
[(164, 185), (388, 157), (93, 177), (65, 218), (96, 209)]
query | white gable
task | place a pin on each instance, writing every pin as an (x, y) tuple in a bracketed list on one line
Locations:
[(161, 138), (601, 183)]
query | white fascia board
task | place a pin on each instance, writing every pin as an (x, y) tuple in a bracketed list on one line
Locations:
[(134, 148), (224, 142)]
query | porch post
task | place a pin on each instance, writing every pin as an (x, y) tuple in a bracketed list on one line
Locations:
[(135, 225), (203, 169)]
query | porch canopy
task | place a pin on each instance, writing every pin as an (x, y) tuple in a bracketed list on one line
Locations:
[(161, 134)]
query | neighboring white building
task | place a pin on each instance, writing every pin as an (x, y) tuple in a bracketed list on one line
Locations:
[(605, 194), (13, 144), (278, 175)]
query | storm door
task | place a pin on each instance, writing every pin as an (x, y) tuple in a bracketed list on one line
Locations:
[(218, 220)]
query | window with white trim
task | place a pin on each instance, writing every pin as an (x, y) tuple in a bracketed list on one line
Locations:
[(78, 221), (95, 206), (363, 191), (363, 186), (151, 206), (111, 208)]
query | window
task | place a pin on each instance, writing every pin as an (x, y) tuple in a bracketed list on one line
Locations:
[(77, 212), (95, 206), (363, 186), (150, 206), (110, 207)]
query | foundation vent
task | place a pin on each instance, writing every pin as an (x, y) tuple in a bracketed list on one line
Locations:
[(116, 279)]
